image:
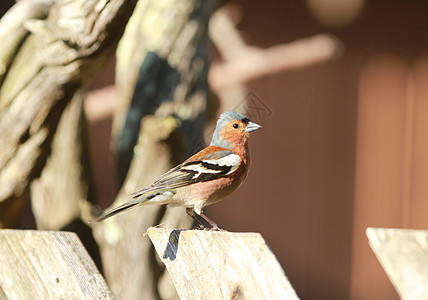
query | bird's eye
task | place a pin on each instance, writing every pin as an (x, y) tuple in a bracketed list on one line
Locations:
[(235, 125)]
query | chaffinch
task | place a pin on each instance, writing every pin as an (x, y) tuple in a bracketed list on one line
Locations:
[(206, 177)]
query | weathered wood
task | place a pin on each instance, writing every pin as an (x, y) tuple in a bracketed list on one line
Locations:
[(47, 265), (403, 254), (221, 265)]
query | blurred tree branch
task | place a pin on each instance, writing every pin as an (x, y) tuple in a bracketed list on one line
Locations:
[(254, 62), (59, 195), (12, 31), (241, 63)]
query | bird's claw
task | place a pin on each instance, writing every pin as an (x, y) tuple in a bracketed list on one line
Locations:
[(210, 229)]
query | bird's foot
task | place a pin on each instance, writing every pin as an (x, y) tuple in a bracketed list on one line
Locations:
[(216, 228), (201, 228)]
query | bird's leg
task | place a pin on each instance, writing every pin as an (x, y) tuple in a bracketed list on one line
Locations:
[(191, 213), (214, 226)]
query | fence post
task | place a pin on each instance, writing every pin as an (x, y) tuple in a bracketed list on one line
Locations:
[(221, 265), (47, 265), (403, 254)]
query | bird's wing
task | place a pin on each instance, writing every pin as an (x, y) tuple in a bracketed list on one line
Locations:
[(199, 168)]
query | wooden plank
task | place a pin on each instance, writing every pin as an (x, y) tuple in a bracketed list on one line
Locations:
[(221, 265), (403, 254), (47, 265)]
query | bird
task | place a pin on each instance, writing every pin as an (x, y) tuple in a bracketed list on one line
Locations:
[(206, 177)]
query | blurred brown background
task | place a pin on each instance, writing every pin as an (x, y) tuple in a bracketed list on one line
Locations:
[(344, 146)]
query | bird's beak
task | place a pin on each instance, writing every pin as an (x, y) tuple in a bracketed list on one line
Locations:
[(252, 126)]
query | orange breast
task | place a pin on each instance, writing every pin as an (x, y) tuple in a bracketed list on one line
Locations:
[(209, 192)]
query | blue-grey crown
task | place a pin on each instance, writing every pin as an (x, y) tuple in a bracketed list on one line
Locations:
[(225, 118)]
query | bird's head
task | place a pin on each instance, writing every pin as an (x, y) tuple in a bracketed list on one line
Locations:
[(233, 130)]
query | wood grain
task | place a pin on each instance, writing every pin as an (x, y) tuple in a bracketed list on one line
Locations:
[(403, 254), (47, 265), (221, 265)]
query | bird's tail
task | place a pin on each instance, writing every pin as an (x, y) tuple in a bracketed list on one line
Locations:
[(140, 197), (116, 211)]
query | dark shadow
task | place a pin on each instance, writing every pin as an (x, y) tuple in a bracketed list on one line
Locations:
[(156, 84), (172, 247)]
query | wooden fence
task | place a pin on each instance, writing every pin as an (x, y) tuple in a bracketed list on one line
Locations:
[(202, 264)]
